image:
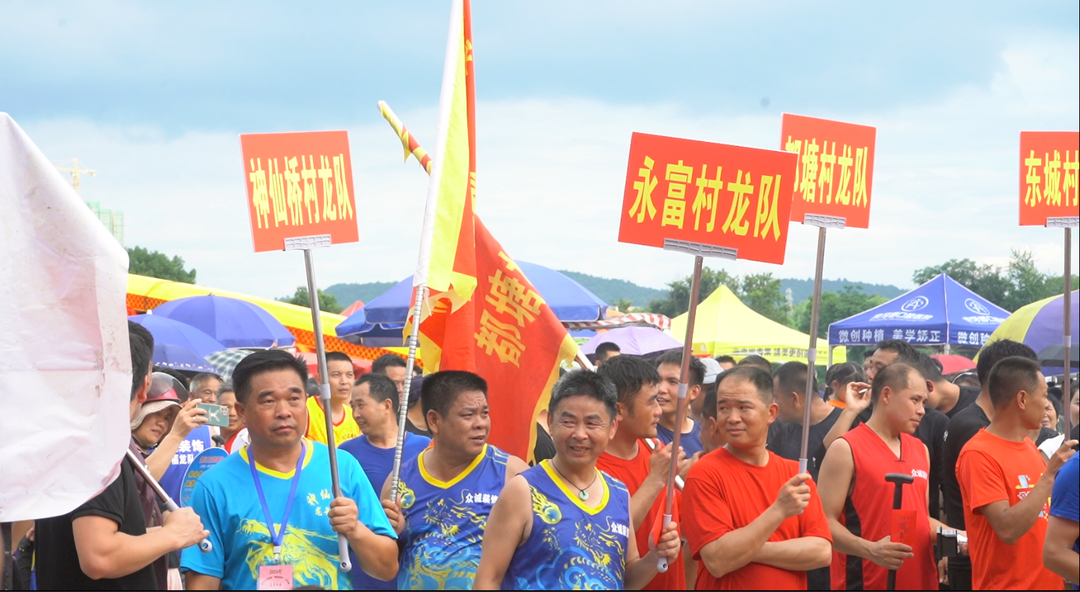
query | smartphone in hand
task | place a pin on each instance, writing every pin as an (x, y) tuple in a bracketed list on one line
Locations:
[(216, 415)]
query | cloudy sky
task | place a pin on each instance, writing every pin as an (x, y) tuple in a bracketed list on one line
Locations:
[(153, 96)]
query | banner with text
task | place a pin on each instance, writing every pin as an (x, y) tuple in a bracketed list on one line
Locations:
[(712, 194), (835, 170), (299, 184), (1048, 177)]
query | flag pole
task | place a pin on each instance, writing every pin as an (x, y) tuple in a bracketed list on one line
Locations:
[(324, 394), (680, 408), (204, 545), (1066, 355), (811, 353)]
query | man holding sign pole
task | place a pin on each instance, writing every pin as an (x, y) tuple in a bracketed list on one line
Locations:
[(269, 508)]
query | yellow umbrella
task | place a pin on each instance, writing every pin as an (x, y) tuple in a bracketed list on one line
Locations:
[(726, 326), (146, 293)]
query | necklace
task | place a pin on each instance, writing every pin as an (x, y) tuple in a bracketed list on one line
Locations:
[(582, 493)]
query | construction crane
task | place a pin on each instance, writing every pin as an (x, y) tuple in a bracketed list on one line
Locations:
[(75, 172)]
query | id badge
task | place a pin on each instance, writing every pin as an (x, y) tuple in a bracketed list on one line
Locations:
[(275, 577)]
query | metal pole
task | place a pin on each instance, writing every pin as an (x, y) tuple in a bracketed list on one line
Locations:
[(324, 396), (1067, 355), (811, 353), (680, 409), (204, 545), (403, 403)]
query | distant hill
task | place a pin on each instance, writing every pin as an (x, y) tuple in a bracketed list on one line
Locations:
[(610, 290), (346, 294), (803, 289)]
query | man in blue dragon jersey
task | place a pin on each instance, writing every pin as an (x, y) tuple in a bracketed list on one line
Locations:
[(564, 524), (445, 495)]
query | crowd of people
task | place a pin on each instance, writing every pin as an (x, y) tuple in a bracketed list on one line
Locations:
[(913, 480)]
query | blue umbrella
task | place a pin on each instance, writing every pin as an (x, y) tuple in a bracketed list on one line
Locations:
[(235, 323), (168, 331), (385, 314), (180, 358)]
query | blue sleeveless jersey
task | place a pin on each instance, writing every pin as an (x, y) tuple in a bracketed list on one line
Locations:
[(571, 546), (444, 521)]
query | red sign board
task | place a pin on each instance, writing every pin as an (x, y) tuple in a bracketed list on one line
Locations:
[(712, 194), (1048, 176), (835, 170), (298, 185)]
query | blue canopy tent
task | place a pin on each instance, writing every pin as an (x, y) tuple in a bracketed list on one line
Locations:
[(940, 312), (380, 322)]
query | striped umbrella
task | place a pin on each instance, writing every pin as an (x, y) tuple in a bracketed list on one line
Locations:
[(225, 361), (1040, 325)]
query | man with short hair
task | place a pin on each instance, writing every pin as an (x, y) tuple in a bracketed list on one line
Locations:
[(270, 508), (341, 373), (1006, 486), (204, 386), (756, 361), (104, 543), (393, 367), (945, 396), (962, 427), (858, 500), (726, 362), (712, 437), (563, 524), (445, 494), (375, 408), (712, 371), (669, 366), (789, 386), (605, 351), (744, 535), (235, 435), (629, 455)]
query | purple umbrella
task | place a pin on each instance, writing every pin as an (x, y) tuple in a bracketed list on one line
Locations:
[(638, 341)]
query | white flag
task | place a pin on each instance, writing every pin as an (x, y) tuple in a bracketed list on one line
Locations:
[(65, 363)]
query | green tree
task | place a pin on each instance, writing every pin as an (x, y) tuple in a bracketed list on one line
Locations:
[(158, 265), (622, 305), (678, 297), (761, 292), (835, 306), (327, 302), (1018, 284)]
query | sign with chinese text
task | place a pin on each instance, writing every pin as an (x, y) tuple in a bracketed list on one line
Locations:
[(835, 170), (299, 185), (1048, 176), (711, 194)]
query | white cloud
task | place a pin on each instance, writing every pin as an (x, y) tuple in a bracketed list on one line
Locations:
[(551, 175)]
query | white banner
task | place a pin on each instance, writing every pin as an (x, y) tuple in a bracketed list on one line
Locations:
[(65, 363)]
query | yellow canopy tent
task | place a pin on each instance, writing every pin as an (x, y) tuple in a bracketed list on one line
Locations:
[(146, 293), (726, 326)]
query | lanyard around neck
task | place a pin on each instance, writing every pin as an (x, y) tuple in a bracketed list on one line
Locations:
[(277, 535)]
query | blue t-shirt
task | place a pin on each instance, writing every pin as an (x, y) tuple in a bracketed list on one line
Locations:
[(1065, 499), (226, 500), (690, 443), (377, 464), (173, 479), (571, 546)]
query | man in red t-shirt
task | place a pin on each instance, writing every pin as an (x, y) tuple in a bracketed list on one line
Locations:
[(1006, 486), (629, 458), (858, 500), (752, 521)]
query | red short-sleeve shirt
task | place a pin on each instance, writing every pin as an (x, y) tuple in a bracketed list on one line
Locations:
[(723, 494)]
